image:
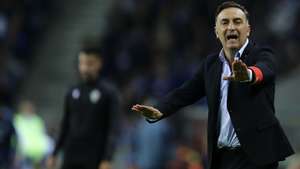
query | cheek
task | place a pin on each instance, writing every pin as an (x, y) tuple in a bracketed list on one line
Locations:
[(244, 35), (80, 68), (245, 32), (84, 68), (222, 39), (94, 69), (221, 34)]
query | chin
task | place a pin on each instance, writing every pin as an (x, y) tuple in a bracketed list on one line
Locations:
[(233, 46), (85, 78)]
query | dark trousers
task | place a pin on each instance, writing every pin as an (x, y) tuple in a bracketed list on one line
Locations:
[(77, 165), (236, 159)]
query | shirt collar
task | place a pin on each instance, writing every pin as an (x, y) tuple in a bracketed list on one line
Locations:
[(237, 55)]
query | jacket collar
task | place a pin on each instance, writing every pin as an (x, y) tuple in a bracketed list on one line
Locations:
[(242, 52)]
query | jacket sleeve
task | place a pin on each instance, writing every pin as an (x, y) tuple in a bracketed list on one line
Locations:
[(264, 70), (191, 91), (64, 128), (114, 122)]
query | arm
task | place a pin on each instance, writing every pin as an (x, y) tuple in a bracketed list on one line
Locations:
[(263, 71), (188, 93), (51, 161), (64, 128), (114, 111), (264, 68)]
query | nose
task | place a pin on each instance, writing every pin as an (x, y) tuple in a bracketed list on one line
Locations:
[(231, 26)]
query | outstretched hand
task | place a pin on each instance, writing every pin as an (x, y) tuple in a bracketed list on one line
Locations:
[(239, 72), (105, 165), (51, 162), (147, 111)]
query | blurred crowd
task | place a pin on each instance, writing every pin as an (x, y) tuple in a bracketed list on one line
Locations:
[(21, 25), (150, 47)]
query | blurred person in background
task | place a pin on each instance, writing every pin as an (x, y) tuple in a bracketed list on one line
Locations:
[(7, 138), (185, 158), (33, 143), (158, 136), (9, 76), (239, 82), (21, 23), (190, 153), (90, 113)]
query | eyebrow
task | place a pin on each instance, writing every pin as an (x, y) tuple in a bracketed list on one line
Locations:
[(235, 19)]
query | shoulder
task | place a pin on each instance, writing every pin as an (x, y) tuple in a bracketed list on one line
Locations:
[(109, 87), (211, 58), (260, 48), (262, 53), (72, 90), (206, 63)]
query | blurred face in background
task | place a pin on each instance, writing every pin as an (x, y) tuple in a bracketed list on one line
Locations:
[(26, 108), (89, 66), (232, 28)]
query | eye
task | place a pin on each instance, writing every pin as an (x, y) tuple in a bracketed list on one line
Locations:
[(224, 22), (238, 21)]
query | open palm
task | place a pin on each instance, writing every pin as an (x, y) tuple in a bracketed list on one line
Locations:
[(147, 111), (239, 71)]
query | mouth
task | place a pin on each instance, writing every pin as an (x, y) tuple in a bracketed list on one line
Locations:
[(232, 37)]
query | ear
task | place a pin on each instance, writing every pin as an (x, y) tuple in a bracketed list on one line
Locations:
[(249, 30), (216, 32)]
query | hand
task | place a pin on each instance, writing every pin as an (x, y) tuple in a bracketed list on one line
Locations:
[(240, 72), (105, 165), (147, 111), (51, 162), (133, 167)]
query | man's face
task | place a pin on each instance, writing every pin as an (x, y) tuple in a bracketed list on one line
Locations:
[(89, 66), (232, 28)]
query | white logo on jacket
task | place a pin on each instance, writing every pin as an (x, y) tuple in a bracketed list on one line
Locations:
[(95, 96), (76, 94)]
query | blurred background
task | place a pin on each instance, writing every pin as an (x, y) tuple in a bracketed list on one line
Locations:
[(150, 47)]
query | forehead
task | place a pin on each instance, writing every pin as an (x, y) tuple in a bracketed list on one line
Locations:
[(88, 57), (230, 13)]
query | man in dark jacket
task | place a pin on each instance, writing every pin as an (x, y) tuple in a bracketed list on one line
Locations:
[(90, 112), (243, 132)]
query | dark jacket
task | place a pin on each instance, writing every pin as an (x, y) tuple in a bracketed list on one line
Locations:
[(90, 114), (251, 106)]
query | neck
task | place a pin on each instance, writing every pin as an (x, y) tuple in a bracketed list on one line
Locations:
[(90, 82), (229, 54)]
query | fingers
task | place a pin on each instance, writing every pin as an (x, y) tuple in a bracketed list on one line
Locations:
[(139, 107), (144, 110), (238, 65), (105, 165), (239, 71), (147, 111), (135, 108), (51, 162), (230, 78)]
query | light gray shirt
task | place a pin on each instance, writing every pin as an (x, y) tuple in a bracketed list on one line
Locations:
[(227, 136)]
